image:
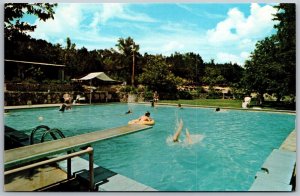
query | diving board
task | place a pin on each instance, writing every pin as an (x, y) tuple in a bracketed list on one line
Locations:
[(22, 155)]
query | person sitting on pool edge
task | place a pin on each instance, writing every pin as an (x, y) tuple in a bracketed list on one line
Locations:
[(177, 133)]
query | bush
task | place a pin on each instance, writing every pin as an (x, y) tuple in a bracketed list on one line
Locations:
[(214, 95), (184, 95), (148, 95)]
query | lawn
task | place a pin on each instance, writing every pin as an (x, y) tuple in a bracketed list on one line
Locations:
[(208, 102), (230, 103)]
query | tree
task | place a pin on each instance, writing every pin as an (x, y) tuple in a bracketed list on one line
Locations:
[(157, 76), (13, 13), (272, 66), (286, 36), (128, 48), (188, 66), (212, 76)]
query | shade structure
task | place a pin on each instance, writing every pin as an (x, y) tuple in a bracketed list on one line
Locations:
[(99, 75)]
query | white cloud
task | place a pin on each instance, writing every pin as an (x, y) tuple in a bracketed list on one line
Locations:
[(238, 33), (86, 24), (223, 57), (111, 10), (118, 10), (83, 21), (172, 46), (236, 26)]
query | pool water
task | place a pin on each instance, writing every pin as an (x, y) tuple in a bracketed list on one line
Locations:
[(228, 147)]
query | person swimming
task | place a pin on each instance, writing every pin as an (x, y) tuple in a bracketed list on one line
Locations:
[(145, 117), (128, 112)]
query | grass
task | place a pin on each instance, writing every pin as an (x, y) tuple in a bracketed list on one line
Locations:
[(208, 102), (230, 103)]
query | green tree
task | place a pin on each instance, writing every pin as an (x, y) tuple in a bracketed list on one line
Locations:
[(188, 66), (157, 76), (13, 13), (212, 76), (129, 49), (272, 66), (286, 36)]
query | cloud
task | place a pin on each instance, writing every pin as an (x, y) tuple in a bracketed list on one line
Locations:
[(223, 57), (236, 26), (83, 22), (98, 26), (238, 33), (120, 11)]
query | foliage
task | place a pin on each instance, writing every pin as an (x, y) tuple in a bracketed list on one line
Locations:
[(189, 66), (184, 95), (13, 25), (128, 49), (213, 76), (272, 67), (156, 75)]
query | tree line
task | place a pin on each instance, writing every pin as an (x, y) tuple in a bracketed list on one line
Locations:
[(270, 69)]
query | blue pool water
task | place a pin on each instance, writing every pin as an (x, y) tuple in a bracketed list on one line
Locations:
[(228, 146)]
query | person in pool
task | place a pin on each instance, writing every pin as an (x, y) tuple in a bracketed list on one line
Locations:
[(178, 132), (145, 117)]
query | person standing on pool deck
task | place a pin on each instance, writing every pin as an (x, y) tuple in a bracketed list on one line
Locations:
[(155, 96)]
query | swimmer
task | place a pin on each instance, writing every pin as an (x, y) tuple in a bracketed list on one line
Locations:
[(179, 106), (177, 134), (145, 117), (217, 109), (188, 136), (128, 112)]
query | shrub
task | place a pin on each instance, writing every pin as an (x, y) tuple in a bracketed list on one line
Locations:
[(184, 95)]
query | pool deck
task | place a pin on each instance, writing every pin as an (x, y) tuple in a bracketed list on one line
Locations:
[(278, 173), (290, 143), (38, 106)]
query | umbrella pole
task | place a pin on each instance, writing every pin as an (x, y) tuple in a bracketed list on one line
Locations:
[(90, 91)]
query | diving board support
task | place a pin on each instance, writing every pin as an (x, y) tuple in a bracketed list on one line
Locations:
[(89, 151)]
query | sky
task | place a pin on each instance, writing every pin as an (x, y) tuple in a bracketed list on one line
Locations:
[(223, 32)]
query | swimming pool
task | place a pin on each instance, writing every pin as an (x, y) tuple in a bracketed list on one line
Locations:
[(229, 146)]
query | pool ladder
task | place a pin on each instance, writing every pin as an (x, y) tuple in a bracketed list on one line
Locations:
[(53, 132)]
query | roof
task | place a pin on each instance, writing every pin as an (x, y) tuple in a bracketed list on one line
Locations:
[(100, 75), (36, 63)]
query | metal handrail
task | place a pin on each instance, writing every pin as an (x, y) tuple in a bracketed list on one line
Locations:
[(52, 133), (35, 130), (88, 150)]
